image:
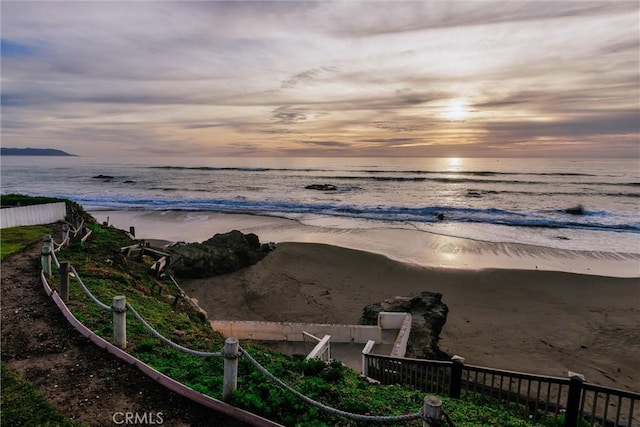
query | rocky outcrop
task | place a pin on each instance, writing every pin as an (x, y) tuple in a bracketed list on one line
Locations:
[(429, 315), (221, 254), (321, 187)]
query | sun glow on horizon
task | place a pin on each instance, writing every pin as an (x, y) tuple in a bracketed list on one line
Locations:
[(456, 110)]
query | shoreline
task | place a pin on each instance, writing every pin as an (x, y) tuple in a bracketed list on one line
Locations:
[(415, 247)]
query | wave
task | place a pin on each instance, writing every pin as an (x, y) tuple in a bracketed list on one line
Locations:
[(370, 171), (444, 177), (599, 220)]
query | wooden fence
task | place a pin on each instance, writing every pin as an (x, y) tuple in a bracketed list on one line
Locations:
[(541, 395)]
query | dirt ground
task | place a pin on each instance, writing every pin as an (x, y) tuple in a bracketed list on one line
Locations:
[(82, 381)]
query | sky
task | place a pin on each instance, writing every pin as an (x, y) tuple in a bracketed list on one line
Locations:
[(329, 78)]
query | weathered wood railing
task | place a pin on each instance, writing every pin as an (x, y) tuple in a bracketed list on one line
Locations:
[(543, 396)]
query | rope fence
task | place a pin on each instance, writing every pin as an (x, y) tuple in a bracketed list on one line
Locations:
[(87, 292), (167, 341), (325, 408), (231, 353)]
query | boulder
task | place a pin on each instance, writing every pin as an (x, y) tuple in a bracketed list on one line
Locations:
[(576, 210), (428, 314), (221, 254), (321, 187)]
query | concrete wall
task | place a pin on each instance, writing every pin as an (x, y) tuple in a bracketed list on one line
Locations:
[(390, 319), (32, 215), (287, 331), (400, 346)]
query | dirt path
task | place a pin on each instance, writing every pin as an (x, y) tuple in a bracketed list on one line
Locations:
[(81, 380)]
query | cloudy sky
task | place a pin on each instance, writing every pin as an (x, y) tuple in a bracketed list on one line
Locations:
[(329, 78)]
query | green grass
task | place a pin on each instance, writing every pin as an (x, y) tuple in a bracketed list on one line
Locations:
[(15, 239), (23, 405)]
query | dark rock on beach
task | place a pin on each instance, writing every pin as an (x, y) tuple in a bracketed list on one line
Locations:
[(429, 315), (221, 254), (576, 210), (321, 187), (105, 177)]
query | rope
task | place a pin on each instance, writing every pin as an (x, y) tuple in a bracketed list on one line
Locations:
[(76, 230), (168, 341), (86, 291), (329, 409), (230, 355), (58, 246), (55, 259)]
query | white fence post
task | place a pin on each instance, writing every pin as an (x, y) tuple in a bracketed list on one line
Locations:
[(46, 255), (432, 412), (120, 321), (230, 382)]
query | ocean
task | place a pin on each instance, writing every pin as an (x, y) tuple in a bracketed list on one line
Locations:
[(527, 201)]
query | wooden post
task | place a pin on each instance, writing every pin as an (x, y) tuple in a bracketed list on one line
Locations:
[(63, 290), (573, 399), (46, 259), (120, 321), (230, 381), (455, 384), (132, 231), (432, 412), (143, 245), (65, 234)]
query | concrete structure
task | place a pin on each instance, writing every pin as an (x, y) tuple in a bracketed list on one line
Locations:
[(393, 329), (290, 331), (32, 215)]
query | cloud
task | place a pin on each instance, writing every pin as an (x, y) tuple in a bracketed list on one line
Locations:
[(349, 78), (288, 114), (619, 123), (325, 143)]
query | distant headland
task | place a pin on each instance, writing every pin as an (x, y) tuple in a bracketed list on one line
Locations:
[(33, 152)]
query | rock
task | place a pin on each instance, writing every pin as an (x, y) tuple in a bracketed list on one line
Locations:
[(102, 177), (576, 210), (429, 315), (321, 187), (221, 254), (440, 216)]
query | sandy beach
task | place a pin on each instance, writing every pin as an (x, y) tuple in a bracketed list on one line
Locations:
[(501, 314)]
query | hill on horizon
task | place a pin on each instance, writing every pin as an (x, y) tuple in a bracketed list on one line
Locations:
[(33, 152)]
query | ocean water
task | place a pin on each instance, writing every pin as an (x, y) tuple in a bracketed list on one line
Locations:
[(496, 200)]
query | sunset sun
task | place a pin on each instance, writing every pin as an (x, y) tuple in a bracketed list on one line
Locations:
[(456, 110)]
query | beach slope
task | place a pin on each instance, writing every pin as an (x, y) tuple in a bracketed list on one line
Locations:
[(542, 322)]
